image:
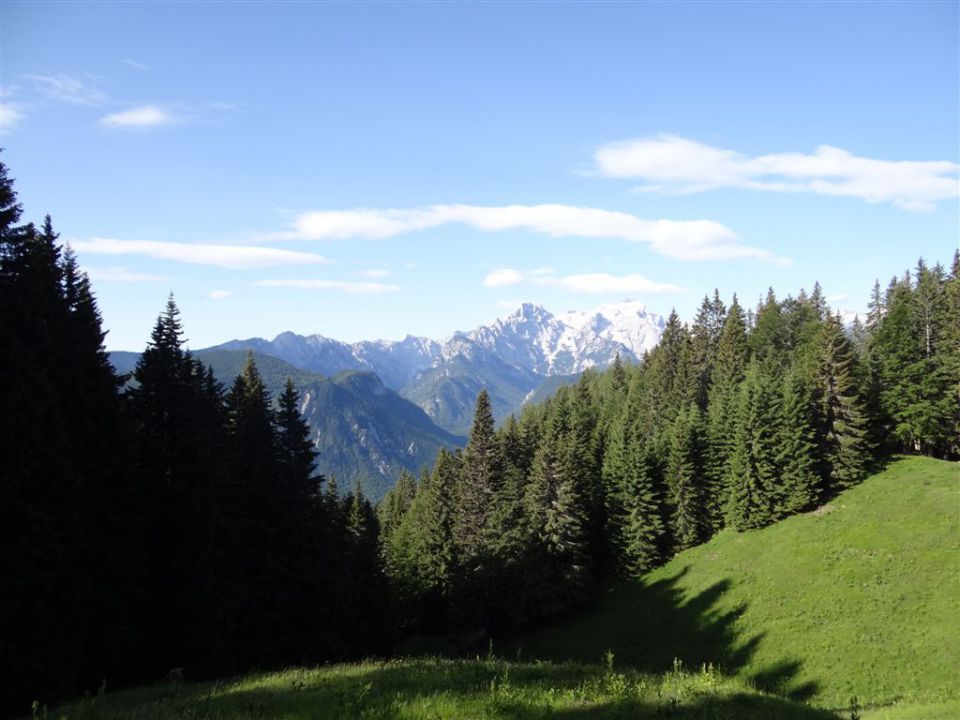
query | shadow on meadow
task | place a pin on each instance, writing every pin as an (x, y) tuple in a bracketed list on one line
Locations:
[(448, 690), (649, 625)]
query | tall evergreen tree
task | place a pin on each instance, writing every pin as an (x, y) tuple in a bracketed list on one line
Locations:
[(841, 431), (555, 516), (643, 527), (178, 453), (753, 470), (732, 354), (705, 340), (481, 477), (684, 478), (798, 447)]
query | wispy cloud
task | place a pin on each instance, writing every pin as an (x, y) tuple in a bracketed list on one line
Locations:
[(374, 273), (219, 294), (134, 64), (351, 288), (591, 283), (71, 89), (233, 257), (121, 275), (11, 115), (140, 117), (672, 164), (678, 239)]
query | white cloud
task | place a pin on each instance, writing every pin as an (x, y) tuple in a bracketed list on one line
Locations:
[(678, 239), (11, 115), (351, 288), (672, 164), (71, 89), (233, 257), (143, 116), (503, 277), (839, 297), (219, 294), (591, 283), (375, 273), (119, 274), (134, 64)]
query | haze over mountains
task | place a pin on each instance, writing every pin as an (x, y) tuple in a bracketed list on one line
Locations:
[(512, 357)]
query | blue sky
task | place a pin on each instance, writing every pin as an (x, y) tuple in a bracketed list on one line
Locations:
[(373, 170)]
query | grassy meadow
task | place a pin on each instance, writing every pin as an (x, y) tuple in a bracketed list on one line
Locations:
[(859, 598)]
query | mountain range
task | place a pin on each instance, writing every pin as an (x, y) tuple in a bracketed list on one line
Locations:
[(379, 407), (512, 357)]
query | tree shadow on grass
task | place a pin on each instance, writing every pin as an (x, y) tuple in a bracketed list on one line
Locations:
[(651, 625), (454, 690)]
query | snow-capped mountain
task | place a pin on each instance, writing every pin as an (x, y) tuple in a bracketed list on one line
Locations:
[(511, 357), (533, 338)]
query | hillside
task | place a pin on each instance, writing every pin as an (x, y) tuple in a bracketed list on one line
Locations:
[(858, 598)]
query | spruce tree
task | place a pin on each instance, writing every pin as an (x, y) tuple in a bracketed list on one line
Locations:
[(948, 357), (798, 447), (480, 479), (178, 451), (684, 479), (840, 420), (705, 339), (555, 517), (732, 354), (768, 339), (753, 472), (643, 527)]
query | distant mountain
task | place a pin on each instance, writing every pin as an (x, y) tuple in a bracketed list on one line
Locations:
[(511, 358), (364, 431)]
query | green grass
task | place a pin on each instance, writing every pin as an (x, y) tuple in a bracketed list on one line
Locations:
[(432, 689), (860, 598)]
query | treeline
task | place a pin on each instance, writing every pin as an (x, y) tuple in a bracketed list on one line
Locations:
[(158, 524), (735, 421)]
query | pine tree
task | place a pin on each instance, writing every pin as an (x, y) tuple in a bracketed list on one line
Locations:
[(297, 455), (732, 354), (819, 302), (581, 465), (684, 478), (439, 560), (948, 357), (555, 517), (840, 420), (668, 370), (481, 477), (753, 470), (705, 339), (643, 528), (614, 473), (178, 453), (798, 447), (768, 339)]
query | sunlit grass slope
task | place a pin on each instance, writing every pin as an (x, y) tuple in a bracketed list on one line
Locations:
[(860, 598), (429, 689)]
